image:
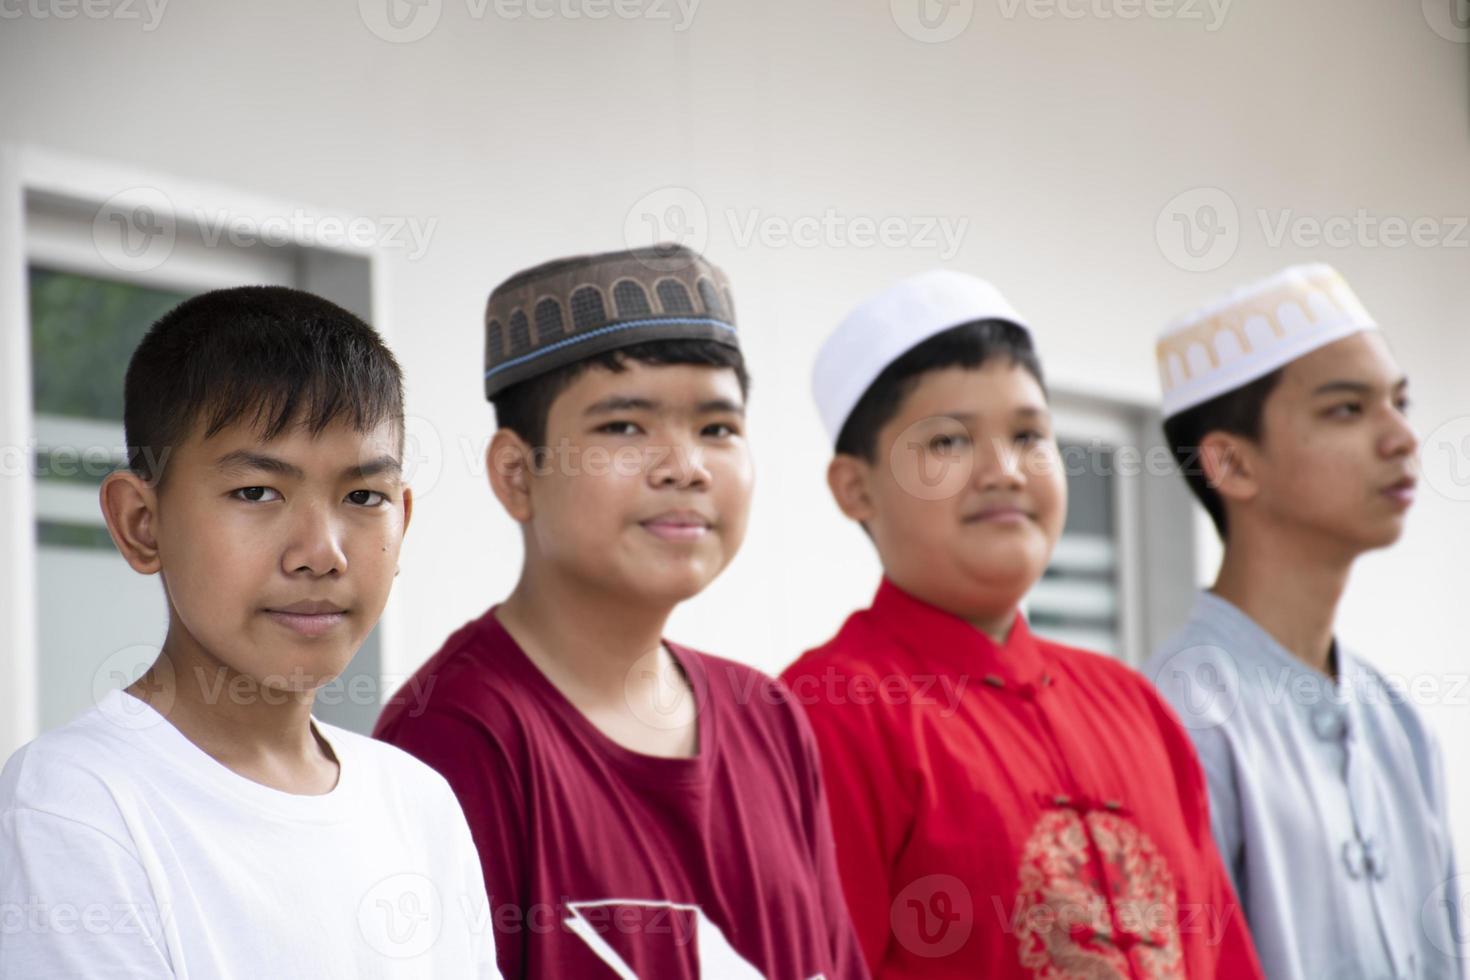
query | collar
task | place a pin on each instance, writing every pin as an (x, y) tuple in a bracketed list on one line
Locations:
[(940, 640), (1327, 706)]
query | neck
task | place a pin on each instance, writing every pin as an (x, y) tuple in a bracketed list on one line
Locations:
[(1290, 584), (583, 637), (260, 732), (998, 628)]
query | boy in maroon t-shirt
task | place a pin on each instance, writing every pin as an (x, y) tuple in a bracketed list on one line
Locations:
[(642, 810)]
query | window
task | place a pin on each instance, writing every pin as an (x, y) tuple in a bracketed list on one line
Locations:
[(1123, 573)]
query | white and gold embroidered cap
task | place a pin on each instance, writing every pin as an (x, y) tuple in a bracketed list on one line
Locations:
[(1253, 330), (887, 326)]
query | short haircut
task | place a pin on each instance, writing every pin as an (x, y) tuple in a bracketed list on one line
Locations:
[(265, 356), (1238, 412), (523, 408), (968, 345)]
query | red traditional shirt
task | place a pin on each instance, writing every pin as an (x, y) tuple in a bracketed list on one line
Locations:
[(1026, 810)]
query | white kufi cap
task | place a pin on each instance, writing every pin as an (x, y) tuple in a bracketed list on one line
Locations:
[(1254, 330), (890, 324)]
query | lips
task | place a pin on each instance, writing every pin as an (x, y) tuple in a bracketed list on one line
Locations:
[(1402, 493), (998, 514), (310, 607), (309, 617), (682, 525)]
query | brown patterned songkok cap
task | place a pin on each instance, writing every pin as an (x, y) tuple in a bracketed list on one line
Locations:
[(570, 309)]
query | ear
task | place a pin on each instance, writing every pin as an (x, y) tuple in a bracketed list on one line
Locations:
[(130, 507), (510, 462), (407, 507), (1230, 465), (847, 478)]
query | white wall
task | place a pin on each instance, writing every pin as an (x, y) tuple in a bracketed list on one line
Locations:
[(1060, 140)]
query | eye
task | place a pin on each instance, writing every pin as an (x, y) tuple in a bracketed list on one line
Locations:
[(255, 495), (720, 430), (947, 442), (620, 428), (356, 495), (1403, 405), (1345, 410), (1030, 437)]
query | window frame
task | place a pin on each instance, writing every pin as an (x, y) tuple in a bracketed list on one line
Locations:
[(1157, 531)]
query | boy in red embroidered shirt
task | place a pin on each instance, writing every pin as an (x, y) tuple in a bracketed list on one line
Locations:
[(1004, 806), (641, 810)]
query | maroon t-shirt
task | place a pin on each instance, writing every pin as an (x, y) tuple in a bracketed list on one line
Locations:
[(602, 862)]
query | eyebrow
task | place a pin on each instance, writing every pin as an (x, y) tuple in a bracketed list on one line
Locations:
[(244, 459), (1355, 387), (624, 403), (1028, 412), (389, 465)]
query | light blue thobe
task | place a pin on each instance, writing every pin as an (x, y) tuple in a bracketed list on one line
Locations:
[(1327, 802)]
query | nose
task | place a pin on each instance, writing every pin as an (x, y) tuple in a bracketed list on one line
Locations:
[(998, 465), (315, 546), (679, 464), (1399, 439)]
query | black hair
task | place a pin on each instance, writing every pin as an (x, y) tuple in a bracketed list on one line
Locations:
[(968, 345), (1238, 412), (266, 356), (524, 407)]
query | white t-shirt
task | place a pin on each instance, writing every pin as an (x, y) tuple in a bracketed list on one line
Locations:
[(127, 852)]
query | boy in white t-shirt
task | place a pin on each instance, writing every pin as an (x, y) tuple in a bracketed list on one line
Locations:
[(200, 823)]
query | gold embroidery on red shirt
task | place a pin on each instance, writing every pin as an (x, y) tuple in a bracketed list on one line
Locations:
[(1067, 928)]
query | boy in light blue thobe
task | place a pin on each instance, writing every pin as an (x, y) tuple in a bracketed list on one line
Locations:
[(1286, 411)]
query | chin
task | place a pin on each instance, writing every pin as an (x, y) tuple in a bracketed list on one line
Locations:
[(1017, 562), (668, 583), (674, 592), (302, 672), (1386, 538), (296, 686), (1365, 532)]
